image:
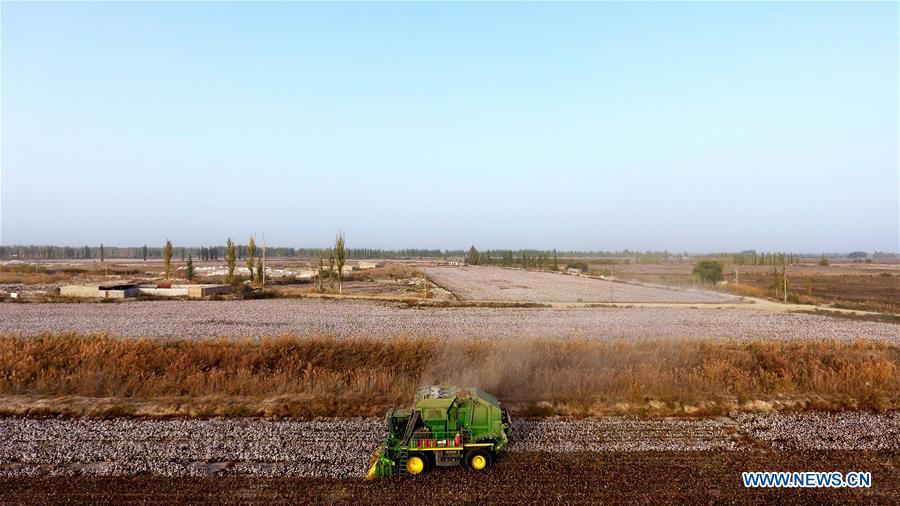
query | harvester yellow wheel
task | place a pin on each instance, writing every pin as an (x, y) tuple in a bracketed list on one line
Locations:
[(415, 465), (478, 460)]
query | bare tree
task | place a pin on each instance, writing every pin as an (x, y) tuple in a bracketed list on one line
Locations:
[(189, 271), (251, 250), (472, 256), (331, 268), (231, 259), (167, 257), (341, 257)]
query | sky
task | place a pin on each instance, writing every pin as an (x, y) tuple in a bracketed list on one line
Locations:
[(576, 126)]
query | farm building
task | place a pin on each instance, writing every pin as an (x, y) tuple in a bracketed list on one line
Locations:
[(110, 290), (122, 290), (194, 291)]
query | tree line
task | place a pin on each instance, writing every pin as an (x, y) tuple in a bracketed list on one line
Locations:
[(217, 252), (528, 259), (206, 253), (256, 268)]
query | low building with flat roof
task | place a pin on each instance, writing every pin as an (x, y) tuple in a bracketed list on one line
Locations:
[(107, 290), (124, 289), (193, 291)]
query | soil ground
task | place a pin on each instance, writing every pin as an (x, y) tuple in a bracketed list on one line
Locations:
[(537, 478), (874, 286)]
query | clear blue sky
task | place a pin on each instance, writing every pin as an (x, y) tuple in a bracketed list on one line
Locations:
[(700, 126)]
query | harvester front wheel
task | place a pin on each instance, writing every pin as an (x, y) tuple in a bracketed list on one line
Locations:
[(478, 460), (416, 464)]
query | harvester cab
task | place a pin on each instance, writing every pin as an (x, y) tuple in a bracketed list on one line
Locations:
[(446, 426)]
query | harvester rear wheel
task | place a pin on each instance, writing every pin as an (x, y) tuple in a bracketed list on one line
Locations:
[(478, 460)]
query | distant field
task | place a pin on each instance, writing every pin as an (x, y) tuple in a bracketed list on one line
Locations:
[(868, 291), (341, 318), (499, 284), (871, 287), (874, 287)]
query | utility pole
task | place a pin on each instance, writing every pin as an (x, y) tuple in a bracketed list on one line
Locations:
[(263, 280)]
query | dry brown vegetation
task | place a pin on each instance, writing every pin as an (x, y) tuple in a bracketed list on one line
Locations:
[(871, 317), (689, 376), (38, 274), (314, 376), (292, 376), (30, 278), (28, 274), (391, 271)]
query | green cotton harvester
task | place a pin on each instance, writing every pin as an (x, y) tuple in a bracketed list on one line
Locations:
[(446, 426)]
